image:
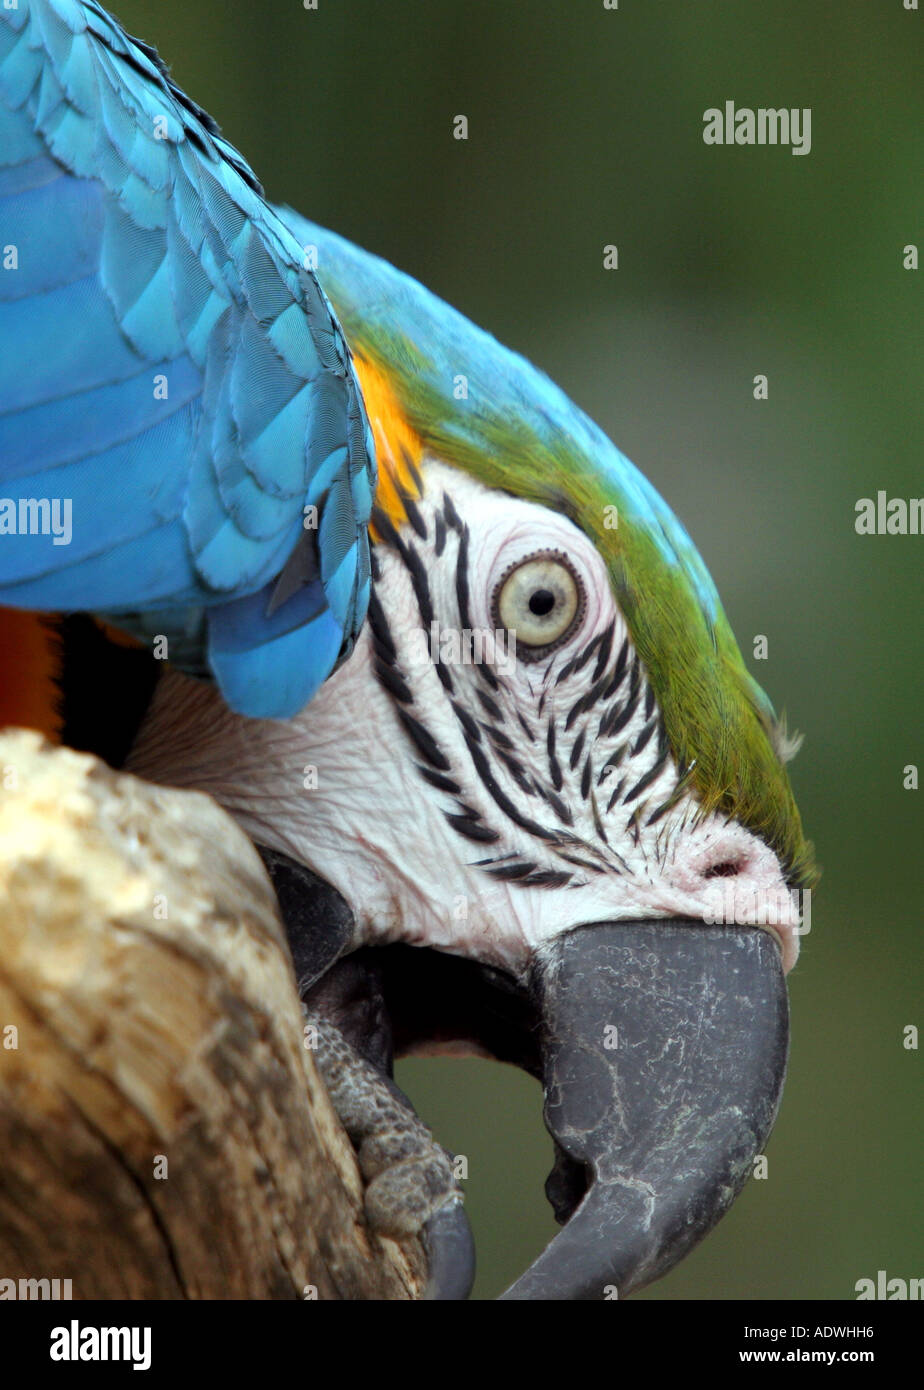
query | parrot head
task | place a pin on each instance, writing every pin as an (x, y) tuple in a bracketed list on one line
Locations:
[(545, 762)]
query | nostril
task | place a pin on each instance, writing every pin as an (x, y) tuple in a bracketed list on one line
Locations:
[(726, 868)]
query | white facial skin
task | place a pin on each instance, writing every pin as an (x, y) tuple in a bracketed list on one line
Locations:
[(374, 827)]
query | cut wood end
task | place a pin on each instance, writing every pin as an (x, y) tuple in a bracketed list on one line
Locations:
[(164, 1130)]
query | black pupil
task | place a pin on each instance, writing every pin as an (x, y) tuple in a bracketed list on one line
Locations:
[(541, 602)]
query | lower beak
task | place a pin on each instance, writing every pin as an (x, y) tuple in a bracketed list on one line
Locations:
[(663, 1052)]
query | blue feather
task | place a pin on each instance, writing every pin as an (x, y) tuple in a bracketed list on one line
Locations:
[(264, 667), (170, 368)]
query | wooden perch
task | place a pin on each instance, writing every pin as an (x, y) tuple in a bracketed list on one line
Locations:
[(163, 1130)]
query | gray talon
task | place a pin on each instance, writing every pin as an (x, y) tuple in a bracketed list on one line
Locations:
[(409, 1176), (450, 1250)]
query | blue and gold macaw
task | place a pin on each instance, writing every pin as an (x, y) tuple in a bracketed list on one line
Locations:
[(430, 637)]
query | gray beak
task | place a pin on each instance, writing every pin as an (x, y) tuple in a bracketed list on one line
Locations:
[(663, 1053), (661, 1046)]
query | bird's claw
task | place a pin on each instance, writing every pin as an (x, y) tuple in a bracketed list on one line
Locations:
[(410, 1185)]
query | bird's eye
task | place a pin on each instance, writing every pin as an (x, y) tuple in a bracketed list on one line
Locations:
[(542, 599)]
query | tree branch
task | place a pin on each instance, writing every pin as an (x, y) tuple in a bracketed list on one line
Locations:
[(163, 1130)]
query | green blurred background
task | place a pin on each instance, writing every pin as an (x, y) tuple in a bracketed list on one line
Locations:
[(585, 128)]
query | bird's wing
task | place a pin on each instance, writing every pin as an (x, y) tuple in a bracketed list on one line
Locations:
[(176, 396)]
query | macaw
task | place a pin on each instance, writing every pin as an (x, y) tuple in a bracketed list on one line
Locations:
[(431, 639)]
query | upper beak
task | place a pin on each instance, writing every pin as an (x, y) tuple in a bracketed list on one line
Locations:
[(663, 1052)]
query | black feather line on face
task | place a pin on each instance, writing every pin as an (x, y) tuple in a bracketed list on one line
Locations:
[(472, 730), (509, 872), (525, 727), (490, 707), (390, 678), (418, 572), (462, 594), (413, 515), (619, 671), (439, 780), (445, 677), (620, 718), (598, 823), (518, 773), (424, 741), (450, 514), (582, 659), (471, 829), (612, 763), (498, 737), (644, 737), (381, 635), (582, 863), (662, 810), (386, 528), (413, 471), (603, 656), (586, 702), (560, 809), (554, 766), (548, 878), (644, 782)]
